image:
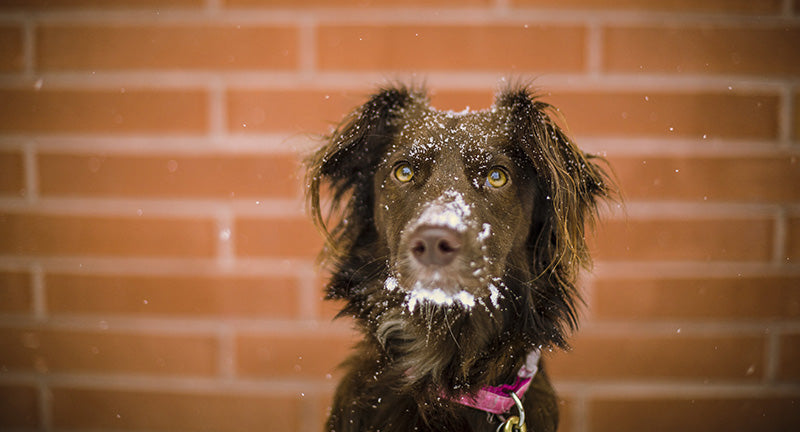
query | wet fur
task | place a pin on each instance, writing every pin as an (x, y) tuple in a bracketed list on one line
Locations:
[(408, 357)]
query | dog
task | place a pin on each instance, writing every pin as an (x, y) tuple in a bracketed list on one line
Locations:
[(455, 241)]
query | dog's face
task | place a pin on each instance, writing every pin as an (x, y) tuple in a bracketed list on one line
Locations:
[(453, 205), (465, 214)]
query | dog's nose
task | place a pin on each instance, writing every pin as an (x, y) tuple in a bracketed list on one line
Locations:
[(435, 246)]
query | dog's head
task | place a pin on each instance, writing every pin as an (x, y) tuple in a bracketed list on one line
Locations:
[(474, 212)]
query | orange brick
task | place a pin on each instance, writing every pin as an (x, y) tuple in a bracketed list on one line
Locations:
[(75, 408), (103, 111), (673, 114), (726, 6), (15, 292), (10, 48), (566, 415), (306, 111), (65, 351), (37, 234), (789, 363), (712, 179), (229, 47), (694, 414), (793, 241), (755, 51), (19, 407), (12, 173), (219, 176), (725, 298), (308, 356), (278, 237), (172, 295), (456, 100), (656, 357), (701, 239), (451, 47), (99, 4), (351, 3)]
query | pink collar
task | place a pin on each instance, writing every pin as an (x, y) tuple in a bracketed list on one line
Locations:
[(496, 399)]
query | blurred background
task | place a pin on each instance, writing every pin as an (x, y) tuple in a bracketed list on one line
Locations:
[(157, 267)]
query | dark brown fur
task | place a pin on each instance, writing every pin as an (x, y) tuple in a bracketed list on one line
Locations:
[(414, 352)]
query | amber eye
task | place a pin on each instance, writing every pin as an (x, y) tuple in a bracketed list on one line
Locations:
[(496, 178), (403, 172)]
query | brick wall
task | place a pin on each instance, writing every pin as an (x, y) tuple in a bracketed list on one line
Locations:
[(156, 265)]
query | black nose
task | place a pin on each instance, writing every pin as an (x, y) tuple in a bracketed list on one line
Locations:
[(435, 246)]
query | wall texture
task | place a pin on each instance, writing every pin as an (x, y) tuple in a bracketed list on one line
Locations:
[(157, 269)]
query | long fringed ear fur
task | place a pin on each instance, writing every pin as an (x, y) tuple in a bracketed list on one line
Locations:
[(344, 168), (571, 183)]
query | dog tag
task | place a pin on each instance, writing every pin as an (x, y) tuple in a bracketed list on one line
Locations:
[(512, 425)]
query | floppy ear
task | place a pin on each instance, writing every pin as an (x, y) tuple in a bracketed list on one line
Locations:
[(570, 184), (345, 165)]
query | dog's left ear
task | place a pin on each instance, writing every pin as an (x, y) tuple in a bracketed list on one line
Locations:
[(571, 183)]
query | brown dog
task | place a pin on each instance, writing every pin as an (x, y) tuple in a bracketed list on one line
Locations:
[(455, 239)]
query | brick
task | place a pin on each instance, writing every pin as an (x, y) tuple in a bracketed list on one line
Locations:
[(173, 296), (458, 100), (76, 408), (10, 48), (712, 179), (694, 414), (312, 355), (99, 4), (351, 3), (566, 415), (12, 173), (16, 295), (789, 362), (793, 241), (226, 47), (691, 239), (19, 407), (654, 357), (277, 237), (103, 111), (678, 298), (307, 111), (80, 351), (451, 48), (674, 114), (40, 234), (170, 176), (745, 50), (725, 6)]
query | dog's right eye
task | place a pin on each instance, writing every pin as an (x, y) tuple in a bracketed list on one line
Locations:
[(403, 172)]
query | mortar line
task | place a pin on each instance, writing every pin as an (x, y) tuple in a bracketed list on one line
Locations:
[(307, 47), (45, 405), (39, 295), (772, 354), (217, 109), (785, 112), (28, 47), (227, 351), (779, 246), (594, 49), (787, 8), (31, 173)]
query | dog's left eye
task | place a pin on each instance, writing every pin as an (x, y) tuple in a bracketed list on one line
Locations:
[(496, 178), (403, 172)]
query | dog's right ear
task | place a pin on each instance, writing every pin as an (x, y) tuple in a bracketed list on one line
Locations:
[(344, 166)]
